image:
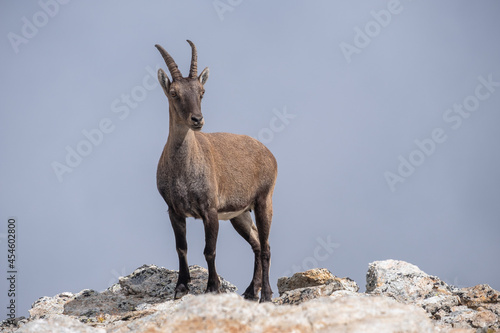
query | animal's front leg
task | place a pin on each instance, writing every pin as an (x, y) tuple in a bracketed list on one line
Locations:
[(211, 223), (179, 226)]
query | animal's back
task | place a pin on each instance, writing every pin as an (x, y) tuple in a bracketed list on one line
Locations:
[(245, 168)]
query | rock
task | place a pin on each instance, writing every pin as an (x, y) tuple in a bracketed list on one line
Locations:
[(11, 325), (437, 304), (47, 306), (315, 277), (89, 303), (400, 298), (403, 281), (468, 308), (477, 307), (464, 317), (311, 284), (148, 284), (130, 298), (231, 313), (310, 278), (363, 313), (297, 296), (152, 281), (495, 308), (58, 324), (477, 296)]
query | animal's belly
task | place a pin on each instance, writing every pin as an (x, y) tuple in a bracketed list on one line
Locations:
[(229, 215), (226, 215), (190, 199)]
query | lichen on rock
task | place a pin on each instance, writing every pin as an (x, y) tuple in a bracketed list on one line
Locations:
[(311, 284)]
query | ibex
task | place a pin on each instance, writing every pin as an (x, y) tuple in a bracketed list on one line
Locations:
[(213, 176)]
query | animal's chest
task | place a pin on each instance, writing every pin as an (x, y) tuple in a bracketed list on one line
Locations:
[(186, 189)]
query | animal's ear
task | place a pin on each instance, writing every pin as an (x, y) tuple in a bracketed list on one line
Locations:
[(204, 76), (164, 81)]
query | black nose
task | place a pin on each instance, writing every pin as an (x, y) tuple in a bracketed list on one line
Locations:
[(197, 119)]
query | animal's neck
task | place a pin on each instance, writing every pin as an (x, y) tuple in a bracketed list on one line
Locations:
[(181, 139)]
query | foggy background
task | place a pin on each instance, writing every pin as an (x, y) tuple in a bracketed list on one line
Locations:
[(383, 116)]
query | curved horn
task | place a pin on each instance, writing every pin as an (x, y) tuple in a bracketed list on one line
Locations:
[(193, 71), (172, 66)]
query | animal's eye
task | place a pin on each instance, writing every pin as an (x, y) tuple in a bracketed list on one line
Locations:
[(202, 93), (173, 94)]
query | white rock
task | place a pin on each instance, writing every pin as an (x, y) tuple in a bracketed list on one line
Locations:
[(403, 281), (58, 324)]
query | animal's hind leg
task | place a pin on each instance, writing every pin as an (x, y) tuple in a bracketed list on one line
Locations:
[(263, 219), (246, 228)]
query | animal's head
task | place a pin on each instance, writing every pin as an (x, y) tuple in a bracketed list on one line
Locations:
[(184, 93)]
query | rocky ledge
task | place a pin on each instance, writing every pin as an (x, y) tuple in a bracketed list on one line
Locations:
[(399, 297)]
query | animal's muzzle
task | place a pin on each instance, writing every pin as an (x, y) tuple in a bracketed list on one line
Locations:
[(197, 122)]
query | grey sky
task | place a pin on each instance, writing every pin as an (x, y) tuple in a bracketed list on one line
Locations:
[(340, 109)]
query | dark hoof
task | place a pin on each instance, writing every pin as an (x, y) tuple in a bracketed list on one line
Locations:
[(250, 297), (251, 294), (180, 291), (213, 289), (265, 299), (265, 295)]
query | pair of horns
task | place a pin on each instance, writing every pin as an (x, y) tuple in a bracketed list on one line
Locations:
[(172, 66)]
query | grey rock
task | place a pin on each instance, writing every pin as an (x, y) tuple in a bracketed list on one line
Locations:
[(12, 325), (452, 308), (464, 317), (150, 281), (400, 298), (130, 298), (403, 281), (439, 303)]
